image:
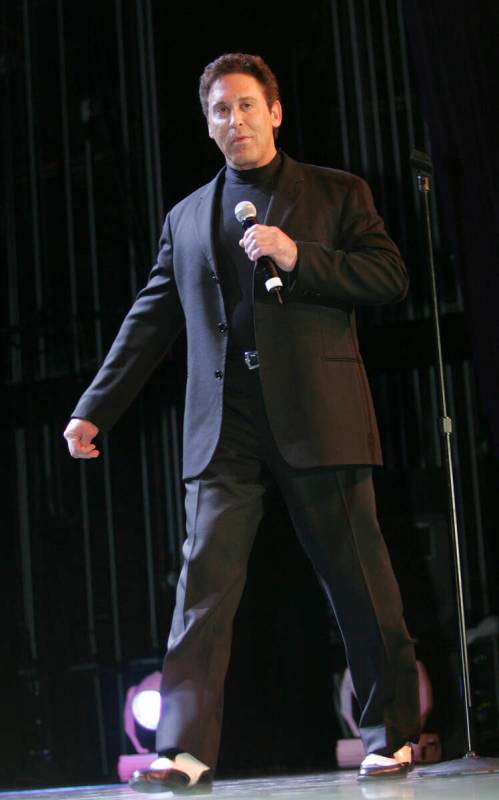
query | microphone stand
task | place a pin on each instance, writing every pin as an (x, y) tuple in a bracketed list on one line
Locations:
[(471, 763)]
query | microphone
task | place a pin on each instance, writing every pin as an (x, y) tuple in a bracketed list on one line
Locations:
[(245, 213)]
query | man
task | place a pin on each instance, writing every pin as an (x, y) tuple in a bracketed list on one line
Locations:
[(275, 391)]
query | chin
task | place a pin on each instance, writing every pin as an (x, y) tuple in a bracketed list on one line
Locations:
[(242, 158), (241, 163)]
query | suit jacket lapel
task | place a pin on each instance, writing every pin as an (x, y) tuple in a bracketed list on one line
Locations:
[(205, 220), (286, 194)]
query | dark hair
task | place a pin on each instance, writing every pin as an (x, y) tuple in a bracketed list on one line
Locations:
[(238, 62)]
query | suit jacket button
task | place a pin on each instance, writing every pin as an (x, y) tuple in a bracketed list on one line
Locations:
[(219, 374), (213, 276), (222, 327)]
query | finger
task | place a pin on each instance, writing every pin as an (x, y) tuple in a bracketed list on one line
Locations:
[(249, 249), (94, 453), (90, 451), (255, 253), (253, 233)]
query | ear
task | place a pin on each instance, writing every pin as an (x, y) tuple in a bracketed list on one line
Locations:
[(276, 114), (210, 132)]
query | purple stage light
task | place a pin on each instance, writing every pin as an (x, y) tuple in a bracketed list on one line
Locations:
[(142, 707), (146, 707)]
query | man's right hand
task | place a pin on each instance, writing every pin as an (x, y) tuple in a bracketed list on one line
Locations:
[(79, 435)]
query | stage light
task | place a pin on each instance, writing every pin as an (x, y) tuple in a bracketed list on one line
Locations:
[(146, 707), (140, 714)]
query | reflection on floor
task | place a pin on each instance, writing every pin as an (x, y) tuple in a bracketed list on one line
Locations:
[(326, 786)]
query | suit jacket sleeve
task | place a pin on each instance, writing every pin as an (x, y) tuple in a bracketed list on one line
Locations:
[(144, 338), (363, 267)]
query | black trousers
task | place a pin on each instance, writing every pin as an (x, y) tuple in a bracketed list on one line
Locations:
[(334, 515)]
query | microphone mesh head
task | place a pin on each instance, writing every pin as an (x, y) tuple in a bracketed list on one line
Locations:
[(245, 210)]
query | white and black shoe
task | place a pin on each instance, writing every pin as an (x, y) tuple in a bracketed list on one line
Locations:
[(375, 766), (183, 774)]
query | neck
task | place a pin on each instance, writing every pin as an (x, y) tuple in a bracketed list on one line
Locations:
[(262, 174), (243, 167)]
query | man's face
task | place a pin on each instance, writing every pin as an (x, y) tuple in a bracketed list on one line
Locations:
[(241, 122)]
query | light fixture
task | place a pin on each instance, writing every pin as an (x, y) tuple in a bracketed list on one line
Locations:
[(141, 712)]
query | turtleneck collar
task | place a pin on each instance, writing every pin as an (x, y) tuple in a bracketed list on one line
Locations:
[(256, 176)]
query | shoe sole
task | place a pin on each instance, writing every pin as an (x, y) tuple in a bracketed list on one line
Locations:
[(387, 775), (157, 789)]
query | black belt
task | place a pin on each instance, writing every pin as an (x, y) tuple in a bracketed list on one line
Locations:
[(251, 359)]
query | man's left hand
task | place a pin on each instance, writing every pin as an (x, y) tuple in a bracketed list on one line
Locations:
[(267, 240)]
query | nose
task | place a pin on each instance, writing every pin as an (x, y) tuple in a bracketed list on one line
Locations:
[(235, 117)]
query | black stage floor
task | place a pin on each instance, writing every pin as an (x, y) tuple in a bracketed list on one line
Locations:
[(340, 785)]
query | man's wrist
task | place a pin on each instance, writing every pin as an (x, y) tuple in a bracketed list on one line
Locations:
[(292, 260)]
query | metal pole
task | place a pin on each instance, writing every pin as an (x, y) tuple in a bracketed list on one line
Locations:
[(424, 187)]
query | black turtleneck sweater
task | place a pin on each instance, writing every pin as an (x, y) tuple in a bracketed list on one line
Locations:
[(236, 270)]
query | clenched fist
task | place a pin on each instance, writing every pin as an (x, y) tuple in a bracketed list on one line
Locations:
[(79, 435)]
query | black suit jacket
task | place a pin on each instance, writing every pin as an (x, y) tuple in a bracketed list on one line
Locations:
[(314, 384)]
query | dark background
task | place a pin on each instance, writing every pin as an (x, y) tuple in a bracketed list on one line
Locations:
[(101, 133)]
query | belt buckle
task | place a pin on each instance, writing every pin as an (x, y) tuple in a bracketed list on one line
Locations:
[(251, 359)]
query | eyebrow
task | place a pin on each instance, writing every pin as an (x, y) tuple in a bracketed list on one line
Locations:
[(240, 99)]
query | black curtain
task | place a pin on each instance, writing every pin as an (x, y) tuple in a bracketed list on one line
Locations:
[(456, 56)]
